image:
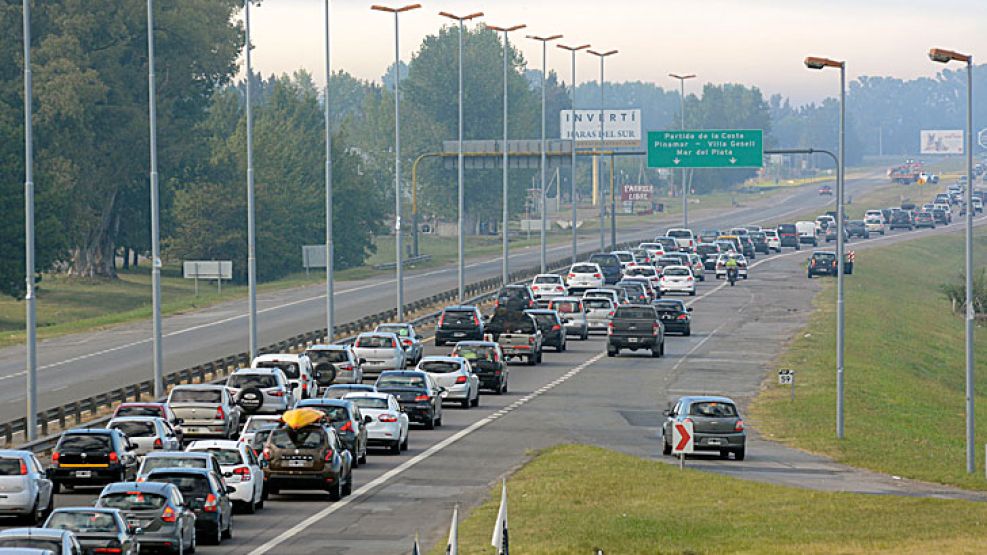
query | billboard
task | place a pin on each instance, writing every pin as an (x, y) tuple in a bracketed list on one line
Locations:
[(620, 127), (631, 193), (948, 141)]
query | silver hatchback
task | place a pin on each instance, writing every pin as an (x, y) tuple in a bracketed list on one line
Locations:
[(599, 311), (573, 315), (25, 490), (379, 351)]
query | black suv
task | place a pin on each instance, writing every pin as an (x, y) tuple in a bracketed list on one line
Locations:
[(552, 333), (857, 228), (90, 457), (789, 236), (760, 241), (676, 317), (609, 264), (636, 326), (459, 323), (901, 220)]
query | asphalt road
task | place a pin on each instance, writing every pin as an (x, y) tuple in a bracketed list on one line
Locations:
[(81, 365), (578, 396)]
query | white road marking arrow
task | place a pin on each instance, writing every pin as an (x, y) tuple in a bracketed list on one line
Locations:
[(733, 160), (676, 161)]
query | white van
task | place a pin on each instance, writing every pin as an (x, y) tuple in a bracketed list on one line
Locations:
[(808, 233)]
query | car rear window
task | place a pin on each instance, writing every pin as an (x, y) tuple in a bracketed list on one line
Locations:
[(680, 234), (400, 331), (55, 546), (597, 303), (825, 257), (633, 313), (640, 271), (257, 423), (471, 353), (786, 228), (334, 414), (375, 342), (290, 369), (545, 320), (76, 444), (669, 305), (196, 396), (133, 501), (604, 260), (89, 521), (225, 457), (677, 272), (10, 467), (707, 249), (439, 366), (139, 411), (189, 485), (243, 381), (332, 356), (152, 463), (548, 279), (136, 429), (458, 317), (369, 402), (624, 256), (306, 438), (584, 269), (565, 307), (713, 410)]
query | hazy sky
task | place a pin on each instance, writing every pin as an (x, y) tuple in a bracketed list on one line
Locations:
[(757, 42)]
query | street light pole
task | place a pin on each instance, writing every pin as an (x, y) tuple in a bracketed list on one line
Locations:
[(945, 56), (603, 207), (461, 242), (31, 346), (399, 271), (572, 180), (685, 187), (330, 246), (543, 202), (820, 63), (504, 267), (152, 112), (251, 235)]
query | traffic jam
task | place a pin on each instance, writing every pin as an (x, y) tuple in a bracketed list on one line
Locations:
[(175, 475)]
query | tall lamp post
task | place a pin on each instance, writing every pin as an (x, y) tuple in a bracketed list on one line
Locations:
[(946, 56), (152, 113), (685, 187), (32, 353), (251, 235), (572, 180), (461, 244), (504, 267), (821, 63), (399, 277), (544, 218), (603, 208), (330, 246)]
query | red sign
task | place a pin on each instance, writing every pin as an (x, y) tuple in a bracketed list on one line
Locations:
[(631, 193)]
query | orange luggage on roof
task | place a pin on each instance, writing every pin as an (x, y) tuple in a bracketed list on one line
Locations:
[(299, 418)]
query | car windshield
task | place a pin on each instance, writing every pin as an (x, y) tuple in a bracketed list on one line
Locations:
[(10, 467), (416, 382), (290, 369), (597, 303), (470, 352), (584, 269), (548, 279), (181, 395), (243, 381), (375, 342), (136, 429), (53, 545), (680, 234), (191, 485), (439, 366), (565, 307), (400, 331), (225, 457), (260, 438), (713, 410), (635, 313), (139, 411), (786, 228), (76, 444), (306, 438), (152, 463), (82, 521), (369, 402), (132, 501)]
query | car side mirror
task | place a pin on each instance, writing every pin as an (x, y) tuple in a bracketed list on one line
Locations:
[(368, 419), (179, 421), (689, 309), (227, 475), (138, 531), (666, 412), (230, 489), (362, 361)]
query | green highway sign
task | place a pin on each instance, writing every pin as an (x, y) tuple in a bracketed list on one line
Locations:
[(706, 148)]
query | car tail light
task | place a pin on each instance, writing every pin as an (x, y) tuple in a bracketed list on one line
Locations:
[(276, 393), (157, 443), (610, 328), (683, 317), (476, 320), (243, 472), (211, 505), (421, 398), (406, 342), (572, 276), (388, 418), (220, 414), (654, 328), (597, 276), (114, 457), (107, 550), (610, 314), (348, 427), (739, 427), (556, 327), (558, 288), (687, 421), (531, 340), (534, 287), (169, 515), (460, 379), (266, 454), (54, 457), (23, 469), (442, 318)]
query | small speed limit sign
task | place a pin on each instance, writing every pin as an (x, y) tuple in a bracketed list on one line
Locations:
[(786, 377)]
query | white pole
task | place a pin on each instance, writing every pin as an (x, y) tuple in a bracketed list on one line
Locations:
[(840, 264), (461, 247), (29, 300), (251, 237), (330, 247), (397, 171), (544, 68), (504, 269), (152, 110)]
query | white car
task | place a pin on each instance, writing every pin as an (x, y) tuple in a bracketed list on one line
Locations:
[(261, 390), (605, 293), (626, 258), (677, 279), (721, 268), (876, 213), (297, 368), (875, 224), (654, 249), (379, 351), (646, 272), (147, 433), (825, 221), (388, 425), (808, 232), (546, 286), (684, 238), (599, 311), (585, 275), (456, 375), (257, 422), (774, 241), (241, 470)]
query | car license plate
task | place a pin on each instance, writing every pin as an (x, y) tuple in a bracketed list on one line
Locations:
[(83, 474), (459, 334), (715, 441), (297, 464), (133, 524), (632, 340)]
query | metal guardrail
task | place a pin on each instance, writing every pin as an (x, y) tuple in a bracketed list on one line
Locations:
[(84, 412), (410, 261)]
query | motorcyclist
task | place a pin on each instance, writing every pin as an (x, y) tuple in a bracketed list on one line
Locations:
[(731, 266)]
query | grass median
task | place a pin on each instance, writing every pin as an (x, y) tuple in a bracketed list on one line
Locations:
[(904, 369), (576, 499)]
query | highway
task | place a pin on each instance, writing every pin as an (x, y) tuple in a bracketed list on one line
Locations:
[(578, 396), (81, 365)]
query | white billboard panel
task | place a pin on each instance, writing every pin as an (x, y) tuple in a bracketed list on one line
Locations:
[(620, 127), (949, 141)]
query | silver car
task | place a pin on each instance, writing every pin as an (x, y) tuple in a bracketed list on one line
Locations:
[(147, 433), (335, 364), (40, 541), (599, 311), (261, 390), (411, 342), (455, 375), (205, 410), (380, 351), (573, 315), (25, 490)]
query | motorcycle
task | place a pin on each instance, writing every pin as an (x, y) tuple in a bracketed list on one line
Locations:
[(732, 276)]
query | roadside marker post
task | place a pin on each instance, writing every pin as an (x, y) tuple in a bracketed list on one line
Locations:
[(683, 440), (787, 377)]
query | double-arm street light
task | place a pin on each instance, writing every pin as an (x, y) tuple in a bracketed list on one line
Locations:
[(399, 277), (603, 208), (945, 56), (822, 63), (544, 68), (572, 180), (504, 268), (459, 165), (685, 187)]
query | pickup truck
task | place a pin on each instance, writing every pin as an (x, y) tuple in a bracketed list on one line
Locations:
[(636, 326), (517, 334), (205, 410)]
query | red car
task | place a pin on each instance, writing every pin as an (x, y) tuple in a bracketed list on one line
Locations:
[(825, 190)]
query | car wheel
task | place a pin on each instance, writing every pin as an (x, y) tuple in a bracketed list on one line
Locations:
[(250, 507), (692, 293), (336, 491), (538, 358), (612, 352), (809, 275), (404, 444), (363, 459), (584, 336), (666, 448), (348, 486), (687, 332), (655, 352), (662, 348), (218, 537), (724, 454), (356, 460), (438, 421), (55, 487), (504, 389), (439, 343), (476, 400), (193, 542), (430, 423), (530, 360), (263, 496), (396, 447), (739, 454), (465, 403), (228, 534)]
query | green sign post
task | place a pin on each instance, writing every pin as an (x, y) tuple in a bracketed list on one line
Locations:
[(706, 148)]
